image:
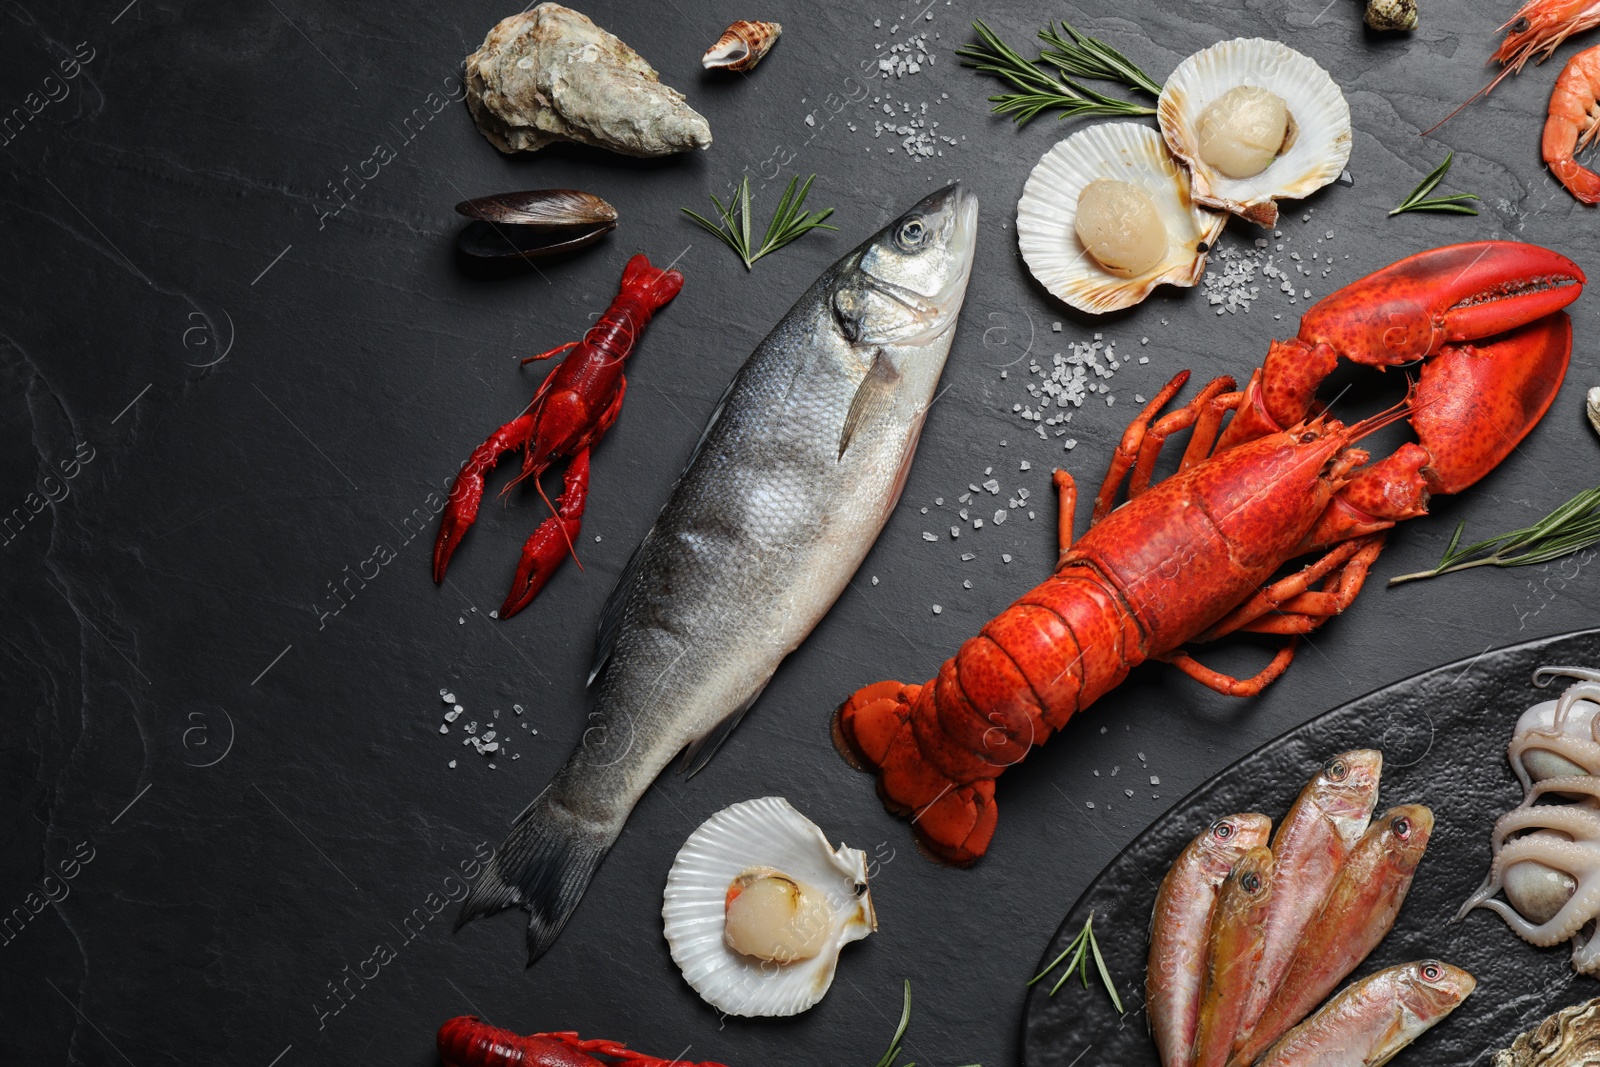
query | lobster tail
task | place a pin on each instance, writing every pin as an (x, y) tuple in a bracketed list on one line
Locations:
[(653, 286), (937, 748)]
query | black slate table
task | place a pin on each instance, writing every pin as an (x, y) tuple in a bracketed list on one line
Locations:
[(239, 363)]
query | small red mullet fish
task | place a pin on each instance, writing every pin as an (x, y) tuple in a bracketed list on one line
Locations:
[(1238, 927), (1312, 843), (1179, 927), (1371, 1020), (1360, 909)]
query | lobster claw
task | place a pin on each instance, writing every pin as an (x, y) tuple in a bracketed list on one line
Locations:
[(1475, 403), (1410, 309)]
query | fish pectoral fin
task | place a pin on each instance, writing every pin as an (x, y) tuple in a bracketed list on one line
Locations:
[(874, 396), (698, 753)]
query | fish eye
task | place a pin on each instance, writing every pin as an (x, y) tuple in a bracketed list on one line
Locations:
[(1223, 830), (912, 231), (1401, 827), (1337, 771), (1431, 971), (1251, 882)]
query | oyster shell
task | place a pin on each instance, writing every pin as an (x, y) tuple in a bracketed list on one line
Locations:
[(1320, 119), (1569, 1038), (742, 46), (760, 838), (1592, 406), (551, 74), (1046, 216)]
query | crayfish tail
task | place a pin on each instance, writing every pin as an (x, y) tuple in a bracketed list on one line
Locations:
[(544, 865)]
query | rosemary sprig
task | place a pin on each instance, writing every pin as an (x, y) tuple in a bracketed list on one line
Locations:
[(1570, 528), (789, 222), (1080, 949), (1090, 57), (889, 1057), (1039, 90), (1420, 201)]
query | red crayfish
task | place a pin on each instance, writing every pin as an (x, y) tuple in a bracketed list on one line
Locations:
[(572, 409), (1192, 557), (467, 1041)]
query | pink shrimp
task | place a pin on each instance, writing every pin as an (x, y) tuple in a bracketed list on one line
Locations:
[(1573, 120)]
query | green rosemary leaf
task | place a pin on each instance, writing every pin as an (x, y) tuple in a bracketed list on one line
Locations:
[(1038, 91), (1572, 527), (893, 1053), (1100, 964), (1090, 57), (1420, 201), (789, 223)]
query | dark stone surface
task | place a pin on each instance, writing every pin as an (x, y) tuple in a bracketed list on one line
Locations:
[(1443, 734), (270, 391)]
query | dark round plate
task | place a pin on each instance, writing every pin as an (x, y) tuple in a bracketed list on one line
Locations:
[(1443, 735)]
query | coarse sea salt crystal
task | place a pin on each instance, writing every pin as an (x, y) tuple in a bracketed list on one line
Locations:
[(926, 536), (938, 608)]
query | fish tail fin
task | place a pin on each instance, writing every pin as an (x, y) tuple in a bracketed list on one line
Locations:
[(544, 866)]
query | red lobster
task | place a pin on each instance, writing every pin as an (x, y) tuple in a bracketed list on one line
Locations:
[(573, 409), (466, 1041), (1191, 558)]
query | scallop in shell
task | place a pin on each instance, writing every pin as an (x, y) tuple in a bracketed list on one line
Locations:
[(761, 877), (1245, 83), (1047, 217)]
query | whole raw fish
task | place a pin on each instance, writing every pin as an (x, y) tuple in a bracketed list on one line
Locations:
[(1360, 909), (1234, 949), (1311, 844), (794, 477), (1180, 926), (1371, 1020)]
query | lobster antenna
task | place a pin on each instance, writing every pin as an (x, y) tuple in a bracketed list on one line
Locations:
[(1388, 416), (1481, 92)]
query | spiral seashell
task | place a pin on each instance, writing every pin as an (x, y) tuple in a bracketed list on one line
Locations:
[(1392, 14), (741, 46)]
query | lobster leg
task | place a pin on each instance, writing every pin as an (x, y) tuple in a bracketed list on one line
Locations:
[(467, 492), (544, 550), (556, 351), (1129, 447), (1182, 419), (1226, 684), (1283, 594), (1067, 491), (1306, 611)]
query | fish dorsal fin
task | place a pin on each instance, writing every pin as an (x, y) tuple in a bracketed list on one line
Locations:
[(698, 752), (874, 396)]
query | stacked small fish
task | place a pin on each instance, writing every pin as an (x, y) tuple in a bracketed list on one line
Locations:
[(1247, 940)]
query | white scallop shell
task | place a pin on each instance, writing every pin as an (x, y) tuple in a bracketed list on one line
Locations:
[(1123, 151), (767, 832), (1321, 146)]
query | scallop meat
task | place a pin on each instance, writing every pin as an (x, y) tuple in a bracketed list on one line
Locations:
[(1255, 122), (1106, 216), (758, 905)]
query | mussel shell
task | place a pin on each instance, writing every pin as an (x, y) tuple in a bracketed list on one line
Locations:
[(541, 209), (494, 241)]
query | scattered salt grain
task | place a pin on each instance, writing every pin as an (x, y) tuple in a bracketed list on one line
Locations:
[(937, 608), (1154, 780), (452, 763), (999, 517), (1005, 557), (926, 536), (874, 579)]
